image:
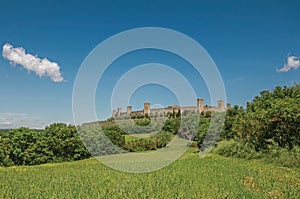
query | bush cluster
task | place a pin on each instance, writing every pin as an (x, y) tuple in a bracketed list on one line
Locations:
[(268, 126), (24, 146), (160, 140)]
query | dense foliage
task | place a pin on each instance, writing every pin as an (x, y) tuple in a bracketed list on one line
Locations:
[(159, 140), (270, 125), (58, 142), (102, 141)]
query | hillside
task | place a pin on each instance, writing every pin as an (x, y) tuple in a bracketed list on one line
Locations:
[(191, 177)]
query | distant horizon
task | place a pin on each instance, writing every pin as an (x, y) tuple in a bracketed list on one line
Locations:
[(72, 123)]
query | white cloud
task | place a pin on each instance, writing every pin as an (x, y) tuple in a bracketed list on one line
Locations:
[(42, 67), (292, 63), (16, 120)]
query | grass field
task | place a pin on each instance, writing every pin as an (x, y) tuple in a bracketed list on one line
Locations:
[(132, 137), (189, 177)]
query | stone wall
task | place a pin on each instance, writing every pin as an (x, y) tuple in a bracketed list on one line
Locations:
[(200, 107)]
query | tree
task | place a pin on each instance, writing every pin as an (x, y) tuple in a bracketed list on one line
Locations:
[(273, 118), (64, 142), (189, 125), (22, 141)]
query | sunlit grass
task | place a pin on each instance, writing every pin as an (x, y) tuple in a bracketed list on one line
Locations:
[(189, 177), (132, 137)]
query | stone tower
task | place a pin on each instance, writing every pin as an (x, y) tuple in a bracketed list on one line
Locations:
[(200, 105), (221, 104), (114, 113), (119, 111), (147, 108), (129, 110), (228, 106)]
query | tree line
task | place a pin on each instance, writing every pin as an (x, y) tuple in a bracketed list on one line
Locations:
[(269, 124), (24, 146)]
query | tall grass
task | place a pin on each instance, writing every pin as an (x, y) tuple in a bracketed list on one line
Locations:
[(210, 177)]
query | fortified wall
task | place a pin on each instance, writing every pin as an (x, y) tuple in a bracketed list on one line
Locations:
[(199, 108)]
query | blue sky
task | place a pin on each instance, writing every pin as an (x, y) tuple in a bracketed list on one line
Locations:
[(248, 41)]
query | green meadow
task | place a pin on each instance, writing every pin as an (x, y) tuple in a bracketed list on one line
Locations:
[(189, 177)]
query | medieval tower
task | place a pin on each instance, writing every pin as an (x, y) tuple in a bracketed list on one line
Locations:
[(199, 108)]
